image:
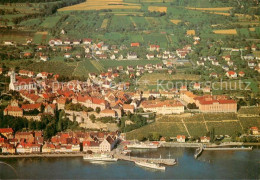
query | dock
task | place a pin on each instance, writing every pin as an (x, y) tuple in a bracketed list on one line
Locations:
[(169, 162), (198, 151)]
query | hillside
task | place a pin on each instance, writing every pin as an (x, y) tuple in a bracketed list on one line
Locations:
[(200, 124)]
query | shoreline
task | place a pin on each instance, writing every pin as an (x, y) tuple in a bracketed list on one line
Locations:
[(41, 155), (170, 145)]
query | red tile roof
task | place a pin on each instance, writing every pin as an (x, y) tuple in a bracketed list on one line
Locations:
[(12, 108), (135, 44), (6, 130), (31, 106)]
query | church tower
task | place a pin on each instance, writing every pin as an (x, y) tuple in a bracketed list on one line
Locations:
[(12, 80)]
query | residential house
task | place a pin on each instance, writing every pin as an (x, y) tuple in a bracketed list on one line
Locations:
[(181, 138), (131, 56), (8, 133), (154, 47), (231, 74), (205, 139), (135, 44)]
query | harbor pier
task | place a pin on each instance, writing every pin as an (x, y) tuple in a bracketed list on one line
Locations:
[(169, 162)]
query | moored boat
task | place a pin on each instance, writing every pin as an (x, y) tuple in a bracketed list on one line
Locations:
[(142, 146), (101, 157)]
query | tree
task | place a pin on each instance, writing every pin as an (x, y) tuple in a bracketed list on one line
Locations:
[(141, 137), (92, 117), (212, 135), (192, 106), (156, 136), (49, 131), (74, 117), (98, 110), (167, 139)]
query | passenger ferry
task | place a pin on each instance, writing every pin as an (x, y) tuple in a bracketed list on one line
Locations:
[(143, 146), (101, 157)]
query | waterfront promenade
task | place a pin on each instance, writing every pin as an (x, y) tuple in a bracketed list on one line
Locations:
[(42, 155)]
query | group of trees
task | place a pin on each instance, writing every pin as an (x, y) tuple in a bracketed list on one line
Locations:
[(77, 107), (137, 122), (49, 124)]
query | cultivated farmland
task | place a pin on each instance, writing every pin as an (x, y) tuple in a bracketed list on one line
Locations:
[(226, 31), (101, 4), (210, 9), (157, 9), (104, 24), (175, 21)]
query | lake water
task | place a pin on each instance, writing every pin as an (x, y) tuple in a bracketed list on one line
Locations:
[(211, 164)]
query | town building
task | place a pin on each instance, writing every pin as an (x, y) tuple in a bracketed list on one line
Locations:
[(213, 104), (163, 107)]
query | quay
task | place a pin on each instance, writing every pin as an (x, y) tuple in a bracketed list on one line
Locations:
[(169, 162), (173, 144), (229, 149), (198, 146)]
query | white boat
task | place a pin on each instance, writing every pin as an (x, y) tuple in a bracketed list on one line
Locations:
[(150, 165), (101, 157), (142, 146)]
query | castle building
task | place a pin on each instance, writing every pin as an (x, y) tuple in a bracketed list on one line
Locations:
[(13, 109)]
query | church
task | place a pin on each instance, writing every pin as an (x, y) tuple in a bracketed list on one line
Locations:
[(19, 83)]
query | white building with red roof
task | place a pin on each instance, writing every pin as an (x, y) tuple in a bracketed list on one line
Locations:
[(254, 130), (90, 102), (181, 138), (231, 74), (154, 47), (163, 107), (213, 104), (205, 139)]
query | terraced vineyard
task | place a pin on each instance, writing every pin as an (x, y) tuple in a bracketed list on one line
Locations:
[(223, 123)]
